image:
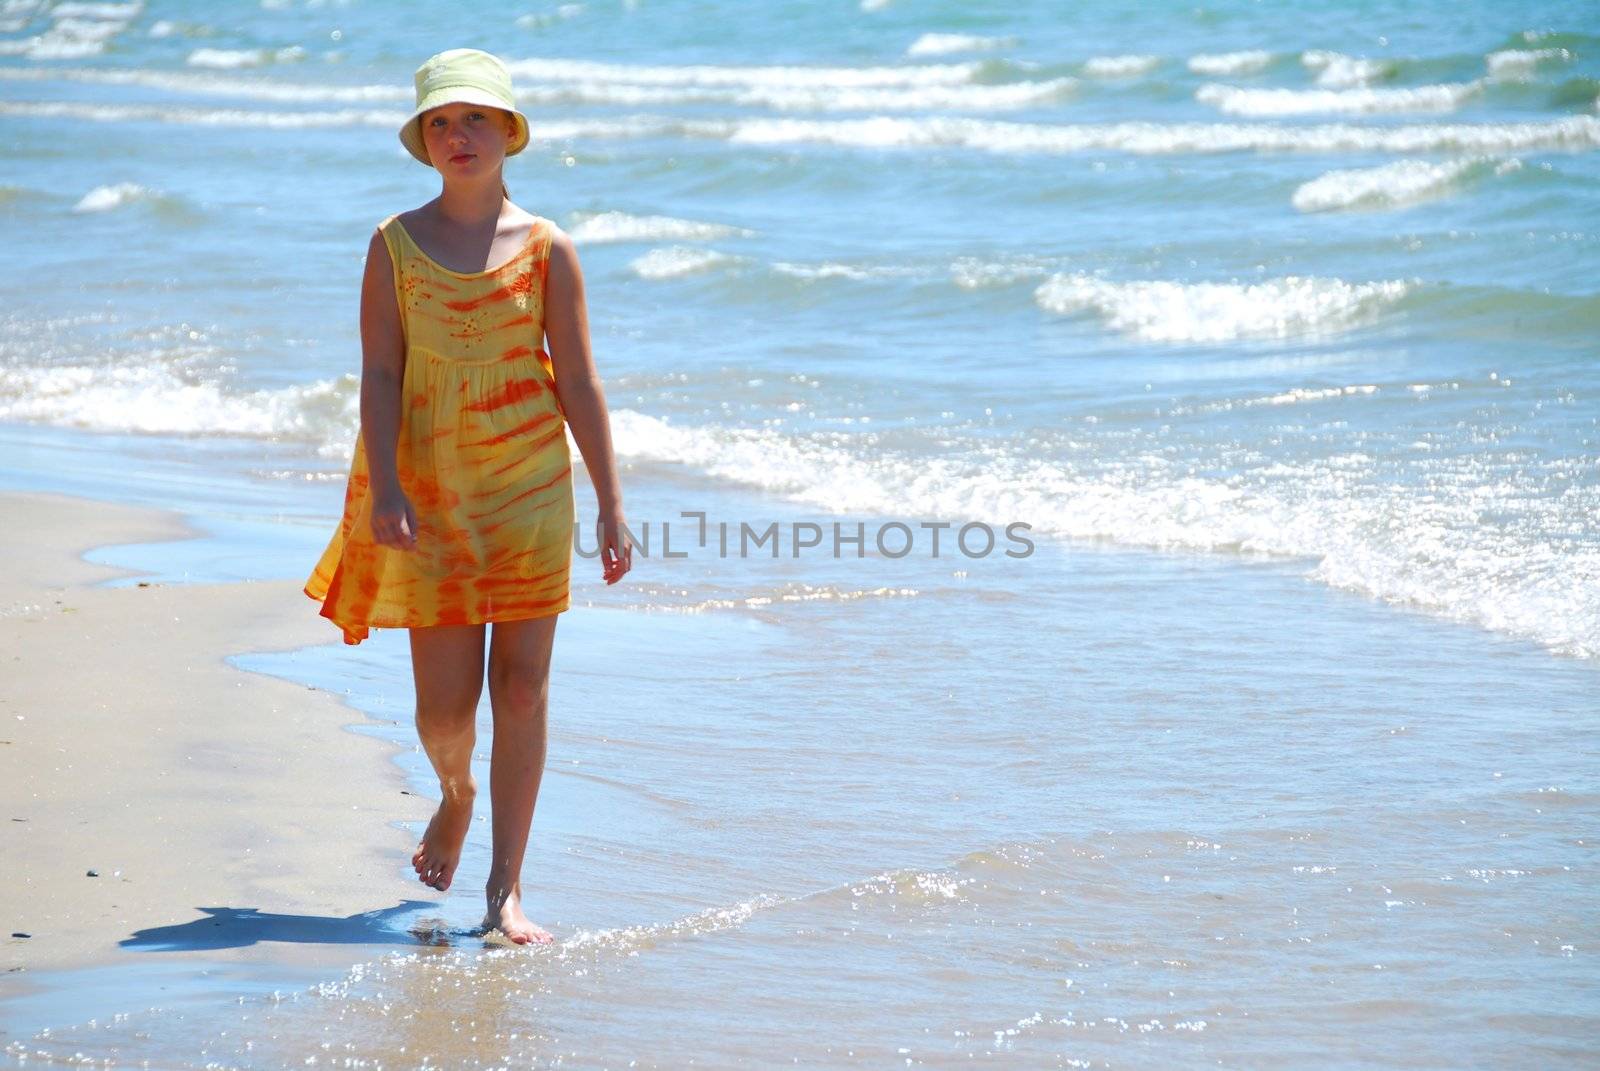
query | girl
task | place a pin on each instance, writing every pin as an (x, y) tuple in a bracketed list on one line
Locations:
[(459, 509)]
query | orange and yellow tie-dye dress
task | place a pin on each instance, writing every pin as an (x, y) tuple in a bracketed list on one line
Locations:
[(482, 456)]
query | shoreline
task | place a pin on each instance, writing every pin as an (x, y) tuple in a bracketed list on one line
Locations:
[(233, 824), (688, 865)]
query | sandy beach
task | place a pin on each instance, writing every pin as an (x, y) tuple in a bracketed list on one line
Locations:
[(154, 794)]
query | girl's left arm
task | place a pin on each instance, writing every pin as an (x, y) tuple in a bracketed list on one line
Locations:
[(583, 399)]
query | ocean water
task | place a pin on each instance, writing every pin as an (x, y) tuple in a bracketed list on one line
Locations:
[(1275, 326)]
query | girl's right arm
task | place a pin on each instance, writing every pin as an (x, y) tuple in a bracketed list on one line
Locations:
[(383, 362)]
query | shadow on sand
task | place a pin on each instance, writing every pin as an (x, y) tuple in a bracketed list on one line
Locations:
[(237, 927)]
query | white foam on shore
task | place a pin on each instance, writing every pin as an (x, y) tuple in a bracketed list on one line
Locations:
[(1403, 182), (1164, 311), (1120, 66), (672, 600), (943, 44), (1227, 64), (1311, 394), (1362, 530), (1258, 103), (1377, 539), (602, 227), (1295, 396), (987, 135), (155, 398), (677, 261)]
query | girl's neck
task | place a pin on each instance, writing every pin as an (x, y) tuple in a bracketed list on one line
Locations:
[(471, 206)]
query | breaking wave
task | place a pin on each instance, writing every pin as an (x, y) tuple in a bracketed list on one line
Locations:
[(1164, 311)]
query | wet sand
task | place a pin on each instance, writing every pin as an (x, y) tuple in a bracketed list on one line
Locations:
[(158, 802)]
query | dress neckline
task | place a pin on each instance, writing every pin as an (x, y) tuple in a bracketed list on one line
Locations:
[(538, 222)]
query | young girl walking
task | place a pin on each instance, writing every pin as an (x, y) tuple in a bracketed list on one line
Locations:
[(459, 506)]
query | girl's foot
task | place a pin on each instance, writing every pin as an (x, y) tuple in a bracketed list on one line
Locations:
[(436, 857), (509, 920)]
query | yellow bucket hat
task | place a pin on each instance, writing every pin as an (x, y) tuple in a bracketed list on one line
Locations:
[(462, 76)]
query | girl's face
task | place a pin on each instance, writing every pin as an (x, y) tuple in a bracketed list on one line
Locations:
[(464, 139)]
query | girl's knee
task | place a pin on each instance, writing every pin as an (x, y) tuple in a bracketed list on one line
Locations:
[(519, 685), (448, 716)]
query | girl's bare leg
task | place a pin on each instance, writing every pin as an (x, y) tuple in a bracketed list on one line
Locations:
[(519, 682), (447, 665)]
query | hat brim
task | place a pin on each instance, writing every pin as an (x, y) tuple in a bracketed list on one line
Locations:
[(411, 130)]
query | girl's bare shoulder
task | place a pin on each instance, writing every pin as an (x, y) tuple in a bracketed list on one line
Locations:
[(517, 218), (525, 219), (414, 220)]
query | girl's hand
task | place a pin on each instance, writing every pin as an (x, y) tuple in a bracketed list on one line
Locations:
[(616, 550), (394, 522)]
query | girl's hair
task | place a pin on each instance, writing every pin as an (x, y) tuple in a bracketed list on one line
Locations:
[(503, 191)]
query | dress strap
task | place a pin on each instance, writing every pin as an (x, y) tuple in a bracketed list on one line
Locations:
[(394, 237)]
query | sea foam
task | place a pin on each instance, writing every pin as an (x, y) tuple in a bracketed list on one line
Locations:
[(1009, 95), (561, 87), (986, 135), (1234, 100), (1518, 64), (1403, 182), (676, 261), (1120, 66), (1573, 132), (226, 58), (835, 270), (1338, 71), (116, 12), (76, 32), (545, 70), (1359, 530), (155, 398), (973, 273), (1360, 534), (943, 44), (603, 227), (105, 198), (1164, 311), (1227, 64)]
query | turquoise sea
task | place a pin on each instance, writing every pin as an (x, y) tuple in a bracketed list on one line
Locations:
[(1276, 325)]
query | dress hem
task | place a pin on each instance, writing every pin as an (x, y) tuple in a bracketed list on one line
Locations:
[(362, 629)]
